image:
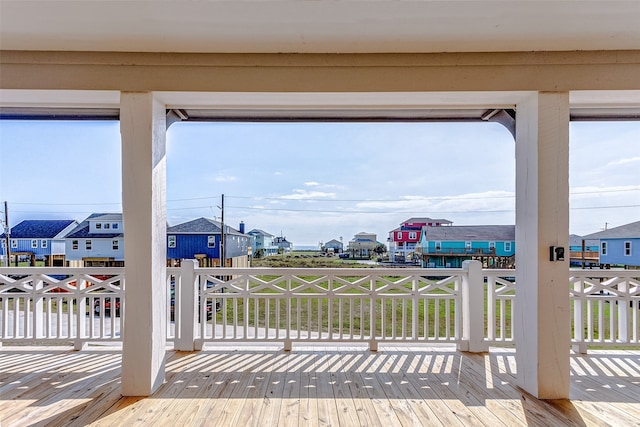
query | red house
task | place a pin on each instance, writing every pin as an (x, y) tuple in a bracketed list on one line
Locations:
[(403, 240)]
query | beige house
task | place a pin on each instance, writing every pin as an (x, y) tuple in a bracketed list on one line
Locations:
[(532, 66), (362, 244)]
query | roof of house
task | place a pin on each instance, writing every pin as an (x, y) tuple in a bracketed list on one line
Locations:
[(258, 231), (105, 217), (627, 231), (472, 232), (82, 230), (202, 226), (39, 228), (575, 240), (364, 233), (425, 220), (333, 242)]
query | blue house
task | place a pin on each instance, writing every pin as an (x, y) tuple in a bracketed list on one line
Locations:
[(98, 241), (283, 244), (200, 239), (264, 242), (448, 247), (619, 245), (38, 240)]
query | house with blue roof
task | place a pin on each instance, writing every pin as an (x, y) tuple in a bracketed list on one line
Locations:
[(200, 239), (619, 246), (448, 247), (98, 241), (362, 245), (38, 239)]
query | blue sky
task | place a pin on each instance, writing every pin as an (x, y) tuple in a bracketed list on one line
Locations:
[(314, 182)]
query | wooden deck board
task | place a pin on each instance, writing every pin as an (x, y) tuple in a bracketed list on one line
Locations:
[(396, 386)]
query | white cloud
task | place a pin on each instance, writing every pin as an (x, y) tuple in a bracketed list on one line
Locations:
[(311, 184), (623, 161), (305, 195), (605, 192), (224, 178), (443, 205)]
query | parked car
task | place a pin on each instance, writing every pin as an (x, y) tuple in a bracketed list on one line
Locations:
[(107, 306), (172, 307)]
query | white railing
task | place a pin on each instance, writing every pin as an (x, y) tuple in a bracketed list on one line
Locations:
[(499, 316), (470, 307), (605, 308), (41, 304), (326, 305)]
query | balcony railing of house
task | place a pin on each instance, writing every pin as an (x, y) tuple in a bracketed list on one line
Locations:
[(457, 251), (470, 307)]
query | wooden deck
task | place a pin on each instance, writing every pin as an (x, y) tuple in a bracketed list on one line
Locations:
[(397, 386)]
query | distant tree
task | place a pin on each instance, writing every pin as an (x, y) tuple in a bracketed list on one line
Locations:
[(280, 251), (259, 253), (380, 249)]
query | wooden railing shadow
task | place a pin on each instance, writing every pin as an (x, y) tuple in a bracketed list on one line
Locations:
[(418, 379)]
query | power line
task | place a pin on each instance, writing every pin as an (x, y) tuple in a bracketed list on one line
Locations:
[(287, 198), (431, 212)]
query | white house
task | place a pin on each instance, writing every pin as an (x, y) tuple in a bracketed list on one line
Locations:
[(98, 241)]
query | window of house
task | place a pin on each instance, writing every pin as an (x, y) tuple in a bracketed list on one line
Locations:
[(87, 244), (507, 246), (98, 226), (412, 234), (114, 225), (14, 243), (107, 226), (74, 245), (43, 243), (438, 246), (115, 245), (211, 241), (627, 248), (172, 242), (467, 245), (492, 245), (603, 248), (399, 235), (34, 243)]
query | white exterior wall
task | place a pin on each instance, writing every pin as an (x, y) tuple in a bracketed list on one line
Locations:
[(58, 247), (100, 248)]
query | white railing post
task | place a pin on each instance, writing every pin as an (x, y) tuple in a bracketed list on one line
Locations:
[(36, 307), (185, 305), (373, 315), (623, 301), (473, 308), (579, 346), (81, 316), (491, 308)]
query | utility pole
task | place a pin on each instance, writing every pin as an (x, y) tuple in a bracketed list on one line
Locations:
[(6, 233), (222, 235)]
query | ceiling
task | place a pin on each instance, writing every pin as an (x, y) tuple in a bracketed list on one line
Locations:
[(315, 26)]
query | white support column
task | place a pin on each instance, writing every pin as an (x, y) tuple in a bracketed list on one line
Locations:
[(143, 130), (542, 328)]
